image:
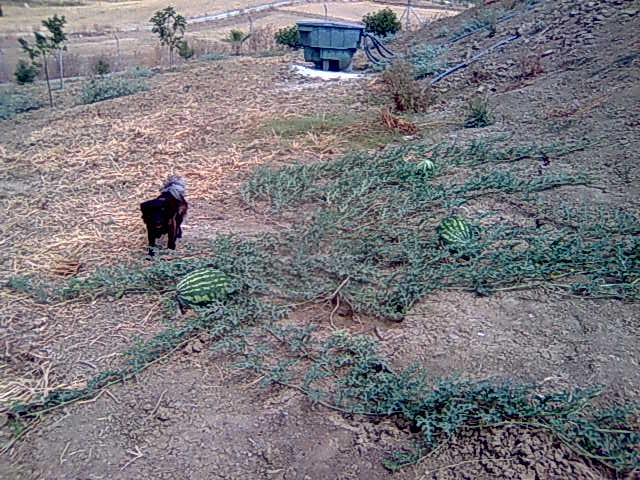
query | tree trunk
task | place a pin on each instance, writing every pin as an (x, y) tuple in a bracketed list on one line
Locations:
[(46, 75), (61, 68)]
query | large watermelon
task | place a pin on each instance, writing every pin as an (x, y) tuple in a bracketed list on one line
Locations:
[(203, 286), (455, 231)]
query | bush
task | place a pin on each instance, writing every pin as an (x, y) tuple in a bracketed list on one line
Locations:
[(382, 23), (101, 67), (26, 72), (214, 56), (13, 103), (289, 37), (479, 115), (185, 50), (99, 89), (408, 94), (427, 60), (140, 72)]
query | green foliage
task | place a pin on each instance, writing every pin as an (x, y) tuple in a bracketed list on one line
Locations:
[(26, 72), (99, 89), (55, 26), (485, 21), (14, 103), (44, 46), (236, 38), (373, 238), (169, 26), (408, 94), (184, 50), (289, 37), (213, 57), (291, 127), (140, 72), (426, 60), (30, 287), (101, 67), (348, 374), (382, 23), (479, 115)]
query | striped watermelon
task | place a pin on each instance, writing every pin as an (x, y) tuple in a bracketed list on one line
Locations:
[(203, 286), (426, 167), (454, 231)]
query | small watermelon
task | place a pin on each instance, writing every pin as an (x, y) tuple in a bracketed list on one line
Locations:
[(426, 167), (203, 286), (455, 231)]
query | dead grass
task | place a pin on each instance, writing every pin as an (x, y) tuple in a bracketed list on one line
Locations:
[(73, 178)]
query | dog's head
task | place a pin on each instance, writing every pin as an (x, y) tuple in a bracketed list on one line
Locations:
[(175, 186)]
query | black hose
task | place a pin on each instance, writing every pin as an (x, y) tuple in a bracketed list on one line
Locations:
[(381, 46), (367, 52)]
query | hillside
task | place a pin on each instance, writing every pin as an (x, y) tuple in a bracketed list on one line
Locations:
[(354, 329)]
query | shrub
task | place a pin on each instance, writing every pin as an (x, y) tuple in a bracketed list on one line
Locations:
[(26, 72), (289, 37), (101, 67), (426, 60), (214, 56), (13, 103), (408, 94), (479, 115), (99, 89), (140, 72), (184, 49), (382, 22)]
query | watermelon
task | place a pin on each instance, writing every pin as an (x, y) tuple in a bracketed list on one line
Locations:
[(203, 286), (455, 231), (426, 167)]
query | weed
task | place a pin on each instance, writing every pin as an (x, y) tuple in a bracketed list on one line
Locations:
[(294, 126), (530, 66), (407, 93), (487, 21), (14, 103), (100, 89), (26, 72), (479, 115), (140, 72), (101, 66), (214, 56), (30, 287), (426, 60), (185, 50)]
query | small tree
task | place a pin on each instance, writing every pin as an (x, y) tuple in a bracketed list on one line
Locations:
[(185, 50), (170, 27), (101, 67), (289, 37), (39, 54), (55, 25), (237, 38), (382, 23), (25, 72)]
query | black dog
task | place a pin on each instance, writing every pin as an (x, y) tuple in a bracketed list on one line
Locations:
[(164, 214)]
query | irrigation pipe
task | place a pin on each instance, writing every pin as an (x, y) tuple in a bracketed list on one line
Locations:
[(474, 59)]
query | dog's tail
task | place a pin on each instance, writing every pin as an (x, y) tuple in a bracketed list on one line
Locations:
[(175, 186)]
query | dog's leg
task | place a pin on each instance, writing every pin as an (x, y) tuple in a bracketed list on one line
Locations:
[(152, 242), (172, 234), (179, 226)]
